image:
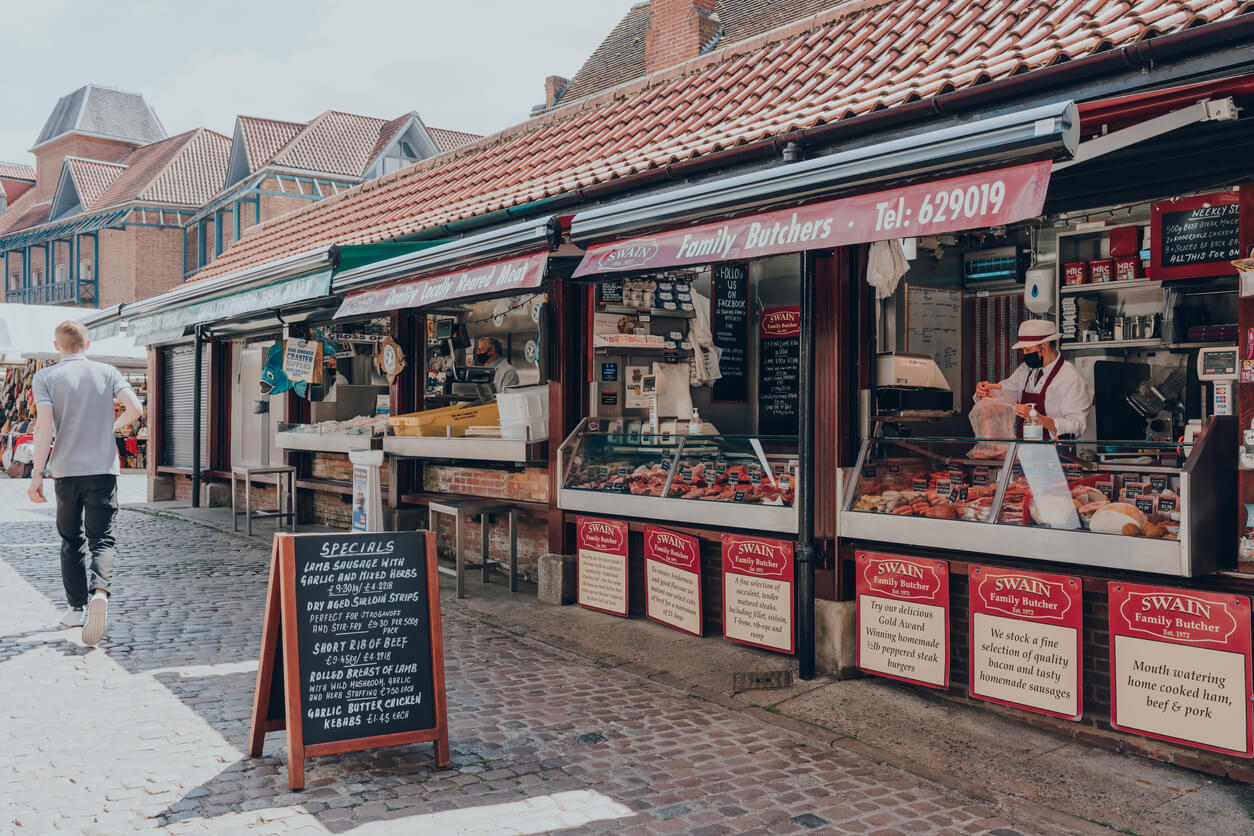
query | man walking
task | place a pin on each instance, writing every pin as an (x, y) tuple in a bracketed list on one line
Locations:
[(74, 402)]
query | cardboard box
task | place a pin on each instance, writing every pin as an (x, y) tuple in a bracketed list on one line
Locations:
[(449, 420), (1102, 270), (1075, 272)]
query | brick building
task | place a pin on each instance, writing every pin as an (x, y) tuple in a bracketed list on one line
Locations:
[(15, 180), (277, 167), (103, 221)]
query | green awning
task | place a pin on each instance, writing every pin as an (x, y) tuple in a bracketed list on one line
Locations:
[(270, 297), (359, 255)]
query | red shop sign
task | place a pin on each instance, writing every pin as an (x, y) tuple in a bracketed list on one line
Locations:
[(991, 198), (602, 564), (1180, 666), (502, 277), (672, 579), (903, 618), (757, 592), (777, 323), (1026, 640)]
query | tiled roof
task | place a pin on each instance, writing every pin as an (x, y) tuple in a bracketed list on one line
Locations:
[(447, 140), (620, 57), (24, 212), (263, 138), (16, 171), (186, 169), (387, 133), (817, 71), (91, 178), (334, 142)]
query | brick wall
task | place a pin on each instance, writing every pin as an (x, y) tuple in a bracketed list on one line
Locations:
[(115, 274), (48, 160), (158, 260), (336, 466), (531, 484), (677, 29)]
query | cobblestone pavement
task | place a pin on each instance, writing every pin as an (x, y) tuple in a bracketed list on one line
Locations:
[(149, 731)]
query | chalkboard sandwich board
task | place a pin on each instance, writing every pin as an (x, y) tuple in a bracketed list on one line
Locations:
[(352, 652), (1195, 237)]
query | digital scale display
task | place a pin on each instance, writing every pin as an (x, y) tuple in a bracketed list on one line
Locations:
[(1220, 362)]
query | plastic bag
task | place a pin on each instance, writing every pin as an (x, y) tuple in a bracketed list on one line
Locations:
[(992, 419)]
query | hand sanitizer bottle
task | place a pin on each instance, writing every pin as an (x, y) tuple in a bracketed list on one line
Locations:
[(1032, 428), (695, 425)]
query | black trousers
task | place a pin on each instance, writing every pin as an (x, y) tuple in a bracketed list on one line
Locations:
[(91, 503)]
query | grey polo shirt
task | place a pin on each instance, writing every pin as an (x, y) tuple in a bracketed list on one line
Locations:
[(505, 377), (82, 393)]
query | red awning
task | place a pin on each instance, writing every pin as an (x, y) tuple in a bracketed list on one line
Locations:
[(498, 278), (1122, 111), (991, 198)]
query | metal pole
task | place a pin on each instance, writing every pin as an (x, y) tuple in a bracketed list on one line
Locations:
[(803, 589), (197, 404)]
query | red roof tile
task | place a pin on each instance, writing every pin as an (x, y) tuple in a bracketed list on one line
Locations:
[(185, 170), (263, 138), (91, 178), (24, 212), (447, 140), (16, 171), (726, 99), (334, 142)]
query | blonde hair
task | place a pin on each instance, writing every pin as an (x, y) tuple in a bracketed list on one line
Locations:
[(71, 336)]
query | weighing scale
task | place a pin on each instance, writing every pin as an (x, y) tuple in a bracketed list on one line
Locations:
[(1217, 365)]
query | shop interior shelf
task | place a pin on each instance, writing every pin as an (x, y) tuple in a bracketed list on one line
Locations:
[(658, 312), (325, 442), (473, 449), (639, 349), (1104, 344), (1112, 287)]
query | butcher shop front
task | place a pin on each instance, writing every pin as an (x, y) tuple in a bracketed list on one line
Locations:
[(1035, 534)]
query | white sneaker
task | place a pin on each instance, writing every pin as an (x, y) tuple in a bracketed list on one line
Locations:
[(72, 618), (94, 625)]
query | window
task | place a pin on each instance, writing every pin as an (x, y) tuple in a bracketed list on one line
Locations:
[(85, 270), (407, 150), (15, 280), (60, 273), (36, 276)]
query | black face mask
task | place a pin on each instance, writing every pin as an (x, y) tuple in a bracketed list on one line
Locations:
[(481, 357), (1034, 360)]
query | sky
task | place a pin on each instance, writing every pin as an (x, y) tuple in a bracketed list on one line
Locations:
[(470, 65)]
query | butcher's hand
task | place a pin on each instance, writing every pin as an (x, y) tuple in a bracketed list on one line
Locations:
[(1023, 410), (984, 389)]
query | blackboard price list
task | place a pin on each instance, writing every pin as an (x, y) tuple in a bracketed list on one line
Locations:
[(365, 638), (1204, 235)]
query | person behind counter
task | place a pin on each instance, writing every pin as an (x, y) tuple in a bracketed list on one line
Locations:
[(1062, 396), (489, 352)]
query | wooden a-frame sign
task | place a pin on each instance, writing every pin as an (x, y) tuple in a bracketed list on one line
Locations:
[(343, 690)]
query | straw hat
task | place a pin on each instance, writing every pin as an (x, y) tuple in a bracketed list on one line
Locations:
[(1034, 332)]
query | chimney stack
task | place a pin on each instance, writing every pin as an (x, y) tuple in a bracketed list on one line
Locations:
[(677, 31), (554, 87)]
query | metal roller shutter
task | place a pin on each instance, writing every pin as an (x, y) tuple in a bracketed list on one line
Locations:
[(178, 370)]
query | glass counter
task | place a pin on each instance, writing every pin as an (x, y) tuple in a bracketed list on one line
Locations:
[(1139, 506), (735, 481)]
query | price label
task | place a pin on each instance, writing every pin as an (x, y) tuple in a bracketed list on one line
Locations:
[(1145, 505), (980, 477), (1158, 484), (919, 485), (739, 497), (1166, 504), (869, 471)]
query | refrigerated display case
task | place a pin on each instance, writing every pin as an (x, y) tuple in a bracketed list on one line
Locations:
[(734, 481), (1137, 506)]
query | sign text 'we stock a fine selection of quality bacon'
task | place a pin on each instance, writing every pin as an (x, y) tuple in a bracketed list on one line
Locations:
[(1025, 643), (672, 579), (757, 592), (602, 564), (903, 618), (973, 201), (1180, 666)]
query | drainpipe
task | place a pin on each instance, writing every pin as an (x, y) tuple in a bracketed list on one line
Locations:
[(803, 588), (197, 405)]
